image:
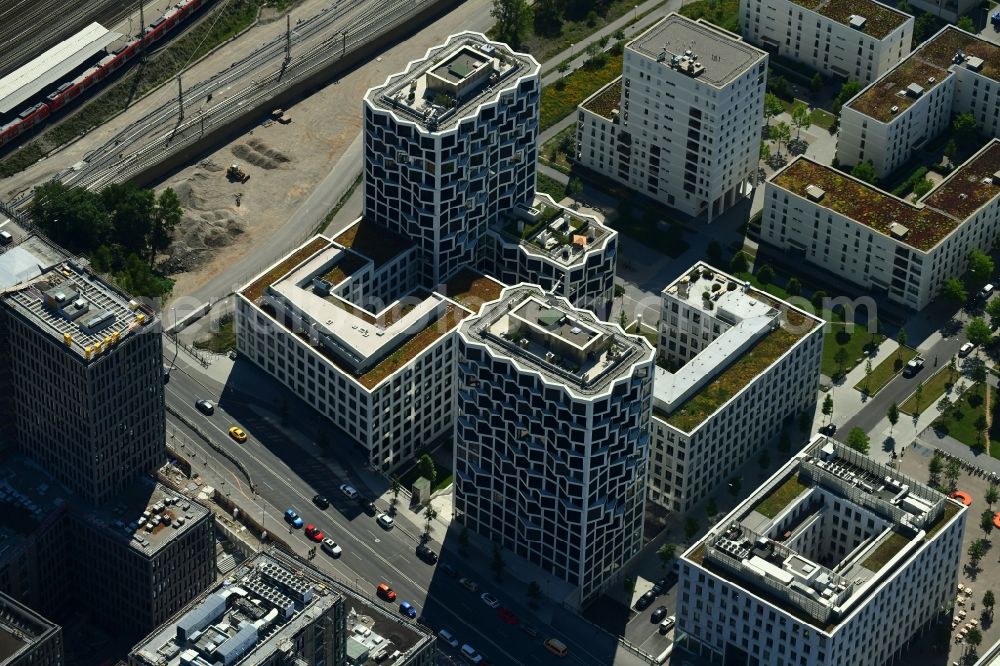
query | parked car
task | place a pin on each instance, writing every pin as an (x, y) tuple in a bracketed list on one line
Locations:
[(828, 429), (407, 609), (205, 407), (321, 501), (386, 592), (368, 506), (331, 548), (986, 292), (665, 583), (314, 533), (645, 601), (470, 655), (349, 490), (667, 624), (293, 518), (385, 521), (446, 636), (237, 434), (658, 614), (913, 367), (966, 349), (426, 554), (489, 600), (469, 584)]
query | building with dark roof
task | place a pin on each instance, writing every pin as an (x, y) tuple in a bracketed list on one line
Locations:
[(27, 638)]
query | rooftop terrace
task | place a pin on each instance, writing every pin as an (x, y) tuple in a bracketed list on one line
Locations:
[(922, 225), (879, 21), (451, 80), (553, 231), (927, 67), (544, 333), (723, 56)]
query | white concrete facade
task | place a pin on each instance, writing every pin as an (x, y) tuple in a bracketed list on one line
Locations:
[(551, 438), (699, 440), (953, 72), (861, 48), (887, 245), (847, 571), (686, 128)]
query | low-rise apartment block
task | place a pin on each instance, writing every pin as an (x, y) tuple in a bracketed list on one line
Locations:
[(27, 638), (858, 40), (278, 609), (738, 363), (552, 438), (953, 72), (380, 370), (880, 242), (836, 559), (567, 253), (683, 123), (450, 143)]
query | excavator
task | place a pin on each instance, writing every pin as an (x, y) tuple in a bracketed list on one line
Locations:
[(235, 174)]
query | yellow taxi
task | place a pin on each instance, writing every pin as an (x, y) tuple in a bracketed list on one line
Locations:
[(237, 434)]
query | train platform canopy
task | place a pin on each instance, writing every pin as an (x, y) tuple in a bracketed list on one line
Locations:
[(52, 66)]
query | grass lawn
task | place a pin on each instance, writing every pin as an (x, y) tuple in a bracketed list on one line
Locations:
[(772, 505), (818, 117), (842, 336), (550, 186), (883, 373), (222, 340), (960, 421), (443, 478), (552, 154), (885, 552), (561, 98), (933, 389), (647, 332), (723, 13)]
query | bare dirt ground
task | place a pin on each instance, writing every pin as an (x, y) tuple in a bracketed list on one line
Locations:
[(285, 161)]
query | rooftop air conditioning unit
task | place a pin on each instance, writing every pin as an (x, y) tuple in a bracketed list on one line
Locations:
[(894, 109)]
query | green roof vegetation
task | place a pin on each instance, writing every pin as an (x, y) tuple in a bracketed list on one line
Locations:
[(606, 100), (965, 191), (256, 289), (940, 51), (472, 289), (880, 19), (344, 268), (951, 507), (885, 552), (781, 497), (877, 100)]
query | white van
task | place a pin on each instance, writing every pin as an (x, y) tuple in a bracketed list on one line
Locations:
[(986, 292), (470, 655), (6, 238)]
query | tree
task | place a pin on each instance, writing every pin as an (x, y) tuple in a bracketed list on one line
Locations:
[(980, 268), (951, 471), (739, 264), (765, 274), (714, 254), (953, 290), (840, 357), (427, 469), (765, 151), (923, 27), (989, 601), (772, 107), (430, 513), (936, 465), (818, 300), (548, 17), (966, 24), (944, 405), (974, 638), (978, 370), (992, 495), (498, 564), (893, 416), (534, 593), (976, 550), (865, 171), (901, 341), (801, 118), (666, 553), (395, 488), (816, 84), (918, 397), (563, 68), (166, 216), (964, 126), (868, 375), (511, 19), (950, 149), (993, 310), (848, 90), (986, 522), (978, 332), (828, 406), (858, 440), (781, 133), (952, 369), (574, 187), (793, 287), (690, 527)]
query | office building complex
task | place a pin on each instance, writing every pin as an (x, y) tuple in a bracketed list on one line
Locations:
[(836, 559), (82, 372), (566, 253), (858, 40), (878, 241), (145, 555), (277, 609), (381, 370), (739, 363), (27, 638), (683, 123), (551, 438), (953, 72), (450, 143)]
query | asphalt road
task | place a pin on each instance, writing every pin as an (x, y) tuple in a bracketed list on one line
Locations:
[(288, 476)]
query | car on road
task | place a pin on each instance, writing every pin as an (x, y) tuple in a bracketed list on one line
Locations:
[(205, 407), (385, 521), (426, 554), (530, 630), (829, 429), (665, 583), (321, 502), (507, 616), (913, 367), (237, 434), (446, 636), (470, 655), (966, 349), (368, 506), (469, 584), (448, 570), (293, 518), (489, 600), (986, 292), (314, 533), (386, 592), (556, 647), (407, 609), (645, 601), (331, 548), (349, 490), (667, 624), (658, 614)]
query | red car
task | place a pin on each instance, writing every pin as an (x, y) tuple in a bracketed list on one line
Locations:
[(313, 533), (386, 592), (507, 616)]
